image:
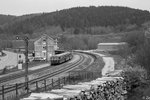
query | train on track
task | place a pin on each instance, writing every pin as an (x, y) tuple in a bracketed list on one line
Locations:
[(61, 58)]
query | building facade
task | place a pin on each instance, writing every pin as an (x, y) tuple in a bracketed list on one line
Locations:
[(45, 47), (42, 47), (111, 46)]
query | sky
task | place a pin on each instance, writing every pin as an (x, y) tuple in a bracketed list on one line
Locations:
[(21, 7)]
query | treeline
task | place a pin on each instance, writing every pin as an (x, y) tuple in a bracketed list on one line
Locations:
[(6, 19), (79, 18), (139, 48), (84, 42), (136, 66)]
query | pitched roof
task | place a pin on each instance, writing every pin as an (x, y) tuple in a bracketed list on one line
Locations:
[(119, 43), (16, 44)]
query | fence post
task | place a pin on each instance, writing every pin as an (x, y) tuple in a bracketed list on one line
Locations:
[(45, 84), (59, 83), (3, 92), (27, 87), (90, 75), (85, 75), (82, 75), (78, 76), (52, 83), (16, 90), (36, 85), (69, 77), (64, 81)]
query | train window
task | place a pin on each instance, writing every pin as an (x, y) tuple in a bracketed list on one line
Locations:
[(44, 41)]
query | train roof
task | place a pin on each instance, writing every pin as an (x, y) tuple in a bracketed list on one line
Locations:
[(62, 54), (120, 43)]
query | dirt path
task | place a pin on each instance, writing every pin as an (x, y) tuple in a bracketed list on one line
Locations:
[(109, 63)]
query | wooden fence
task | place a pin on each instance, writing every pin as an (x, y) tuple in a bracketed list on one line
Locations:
[(17, 91)]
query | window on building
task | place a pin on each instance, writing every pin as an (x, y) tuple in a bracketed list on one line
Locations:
[(44, 41), (44, 47)]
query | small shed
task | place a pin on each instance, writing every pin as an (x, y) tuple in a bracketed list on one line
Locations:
[(111, 46)]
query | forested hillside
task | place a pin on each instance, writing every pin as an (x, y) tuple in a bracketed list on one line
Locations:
[(86, 26), (80, 19), (6, 18)]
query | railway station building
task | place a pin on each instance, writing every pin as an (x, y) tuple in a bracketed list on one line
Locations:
[(45, 47), (42, 47)]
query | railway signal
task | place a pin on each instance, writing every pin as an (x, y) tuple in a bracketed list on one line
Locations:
[(26, 41)]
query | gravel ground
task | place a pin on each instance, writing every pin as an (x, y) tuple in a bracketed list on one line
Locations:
[(10, 59), (36, 75)]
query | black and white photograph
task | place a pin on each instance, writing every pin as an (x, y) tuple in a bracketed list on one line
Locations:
[(74, 49)]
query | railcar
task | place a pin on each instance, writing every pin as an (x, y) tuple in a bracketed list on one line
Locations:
[(59, 51), (61, 58)]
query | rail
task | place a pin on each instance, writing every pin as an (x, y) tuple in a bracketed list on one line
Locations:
[(18, 89), (45, 83)]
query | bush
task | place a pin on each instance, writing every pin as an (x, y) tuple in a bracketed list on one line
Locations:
[(135, 39), (136, 81)]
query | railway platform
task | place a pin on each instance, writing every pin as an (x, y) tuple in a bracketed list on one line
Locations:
[(74, 59), (30, 69)]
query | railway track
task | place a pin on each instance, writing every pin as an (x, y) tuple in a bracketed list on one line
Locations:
[(11, 89), (61, 70)]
